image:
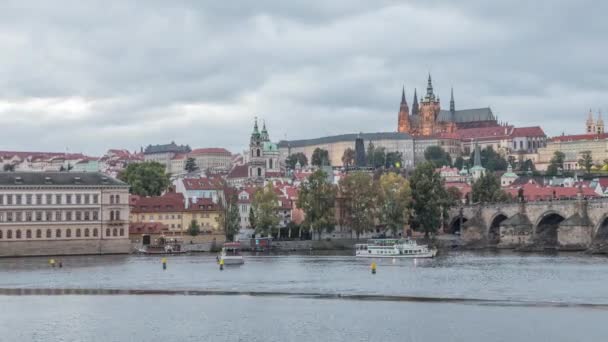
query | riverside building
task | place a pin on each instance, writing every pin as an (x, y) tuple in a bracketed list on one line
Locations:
[(62, 213)]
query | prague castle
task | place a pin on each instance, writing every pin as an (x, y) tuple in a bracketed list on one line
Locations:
[(427, 118)]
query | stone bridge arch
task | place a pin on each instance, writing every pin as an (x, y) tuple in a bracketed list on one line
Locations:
[(494, 227), (546, 228)]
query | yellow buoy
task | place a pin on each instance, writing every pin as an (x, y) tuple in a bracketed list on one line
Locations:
[(373, 267), (221, 264), (164, 261), (52, 262)]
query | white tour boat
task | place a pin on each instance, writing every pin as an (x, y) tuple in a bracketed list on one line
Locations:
[(393, 248), (230, 254)]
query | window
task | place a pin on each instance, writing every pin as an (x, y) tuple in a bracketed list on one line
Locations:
[(48, 215), (122, 231), (86, 232), (77, 232), (58, 216), (18, 234), (87, 199), (87, 216), (28, 216), (58, 233), (111, 199), (68, 199), (9, 234), (68, 232), (48, 233), (49, 199), (9, 199), (28, 234), (39, 216), (160, 217), (28, 199), (0, 234), (117, 215), (95, 232), (107, 231), (78, 199), (57, 199), (114, 232), (117, 199), (1, 199), (95, 199), (68, 216), (9, 216), (112, 216), (39, 199), (95, 216), (78, 216), (18, 199)]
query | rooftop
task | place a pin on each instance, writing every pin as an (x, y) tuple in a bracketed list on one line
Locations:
[(345, 137), (58, 179), (167, 148)]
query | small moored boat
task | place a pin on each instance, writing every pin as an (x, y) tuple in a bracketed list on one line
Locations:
[(231, 254), (393, 248)]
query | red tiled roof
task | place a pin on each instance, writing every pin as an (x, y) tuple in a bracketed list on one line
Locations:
[(213, 150), (179, 156), (239, 171), (205, 204), (147, 228), (534, 131), (274, 174), (577, 137), (533, 192), (169, 202)]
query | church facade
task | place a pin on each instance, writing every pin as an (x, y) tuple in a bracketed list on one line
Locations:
[(263, 155), (427, 118)]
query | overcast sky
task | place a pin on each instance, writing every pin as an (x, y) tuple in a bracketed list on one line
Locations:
[(89, 76)]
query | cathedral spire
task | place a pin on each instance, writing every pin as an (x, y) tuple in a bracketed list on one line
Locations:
[(403, 100), (477, 157), (429, 87), (452, 105), (255, 126), (415, 104)]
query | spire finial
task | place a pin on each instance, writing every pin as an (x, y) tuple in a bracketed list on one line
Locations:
[(429, 86), (452, 104), (403, 101), (415, 104)]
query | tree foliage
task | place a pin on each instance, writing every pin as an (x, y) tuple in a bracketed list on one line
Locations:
[(394, 196), (428, 198), (348, 157), (487, 189), (320, 157), (360, 204), (229, 219), (459, 162), (9, 167), (394, 160), (490, 159), (556, 164), (194, 229), (317, 199), (146, 179), (294, 158), (437, 156), (190, 165), (264, 204), (586, 161), (252, 220)]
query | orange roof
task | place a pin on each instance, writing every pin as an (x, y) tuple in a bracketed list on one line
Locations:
[(578, 137), (534, 131), (169, 202), (213, 150)]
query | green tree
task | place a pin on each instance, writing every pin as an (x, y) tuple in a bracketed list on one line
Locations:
[(229, 218), (348, 157), (528, 165), (556, 164), (252, 220), (394, 160), (379, 158), (487, 189), (265, 204), (317, 199), (361, 200), (294, 158), (490, 159), (9, 167), (428, 198), (459, 163), (190, 165), (194, 229), (394, 196), (146, 179), (437, 156), (369, 154), (454, 195), (586, 161), (320, 157)]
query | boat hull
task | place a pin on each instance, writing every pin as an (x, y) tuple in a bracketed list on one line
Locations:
[(233, 261), (398, 256)]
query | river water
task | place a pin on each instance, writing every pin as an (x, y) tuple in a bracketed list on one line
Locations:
[(459, 296)]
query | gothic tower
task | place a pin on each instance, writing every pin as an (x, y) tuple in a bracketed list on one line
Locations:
[(415, 105), (429, 110), (599, 124), (403, 124), (590, 124), (257, 163)]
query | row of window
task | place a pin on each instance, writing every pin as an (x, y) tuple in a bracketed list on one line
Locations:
[(51, 199), (29, 216), (58, 233), (160, 217)]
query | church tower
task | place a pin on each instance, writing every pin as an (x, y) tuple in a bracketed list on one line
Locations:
[(429, 110), (599, 124), (403, 124), (590, 124), (257, 164)]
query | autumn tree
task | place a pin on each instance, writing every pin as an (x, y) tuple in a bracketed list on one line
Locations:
[(586, 161), (317, 199), (361, 200), (394, 196), (320, 157), (348, 157), (265, 204), (294, 158), (428, 198)]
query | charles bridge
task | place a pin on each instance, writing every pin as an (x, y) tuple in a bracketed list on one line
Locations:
[(574, 224)]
